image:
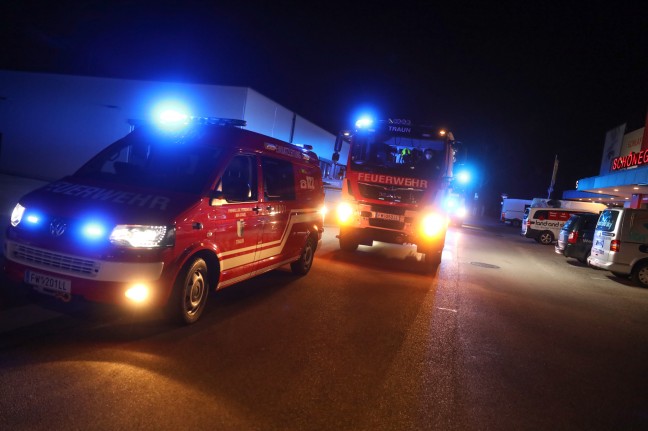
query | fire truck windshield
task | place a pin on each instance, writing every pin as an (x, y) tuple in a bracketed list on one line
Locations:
[(401, 156), (155, 160)]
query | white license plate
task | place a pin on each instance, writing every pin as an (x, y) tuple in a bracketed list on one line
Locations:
[(56, 284), (386, 216)]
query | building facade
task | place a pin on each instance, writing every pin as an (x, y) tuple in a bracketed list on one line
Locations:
[(51, 124), (623, 175)]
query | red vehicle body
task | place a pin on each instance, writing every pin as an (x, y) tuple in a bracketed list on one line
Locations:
[(398, 178), (162, 217)]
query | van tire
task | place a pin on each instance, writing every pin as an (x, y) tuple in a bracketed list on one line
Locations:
[(190, 292), (546, 237), (640, 274), (305, 261)]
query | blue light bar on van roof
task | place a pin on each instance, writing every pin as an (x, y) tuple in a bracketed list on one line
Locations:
[(188, 121)]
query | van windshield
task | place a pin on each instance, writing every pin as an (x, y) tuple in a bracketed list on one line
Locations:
[(607, 221), (155, 160)]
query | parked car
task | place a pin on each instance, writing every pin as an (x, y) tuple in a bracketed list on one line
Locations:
[(576, 236), (621, 244)]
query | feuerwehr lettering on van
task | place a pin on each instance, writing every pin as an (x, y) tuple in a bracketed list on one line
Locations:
[(117, 196)]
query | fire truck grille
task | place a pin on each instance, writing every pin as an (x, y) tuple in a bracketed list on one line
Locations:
[(48, 259), (390, 194), (388, 209)]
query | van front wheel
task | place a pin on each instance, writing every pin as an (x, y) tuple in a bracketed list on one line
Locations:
[(189, 295), (640, 274)]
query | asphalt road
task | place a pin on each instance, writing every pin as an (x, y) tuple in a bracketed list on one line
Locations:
[(505, 335)]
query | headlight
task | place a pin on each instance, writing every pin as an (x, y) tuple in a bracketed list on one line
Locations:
[(17, 214), (139, 236), (344, 212), (433, 224)]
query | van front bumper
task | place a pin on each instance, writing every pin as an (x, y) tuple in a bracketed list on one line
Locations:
[(70, 276)]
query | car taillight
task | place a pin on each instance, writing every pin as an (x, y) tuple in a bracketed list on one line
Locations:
[(573, 237), (615, 245)]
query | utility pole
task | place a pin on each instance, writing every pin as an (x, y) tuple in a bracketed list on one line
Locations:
[(553, 177)]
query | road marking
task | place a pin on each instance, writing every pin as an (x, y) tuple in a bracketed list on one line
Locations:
[(26, 315), (446, 309)]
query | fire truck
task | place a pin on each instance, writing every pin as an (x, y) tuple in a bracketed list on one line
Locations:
[(398, 179)]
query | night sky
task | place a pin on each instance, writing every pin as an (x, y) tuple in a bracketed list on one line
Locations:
[(517, 82)]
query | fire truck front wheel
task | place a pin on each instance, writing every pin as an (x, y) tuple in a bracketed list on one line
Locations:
[(190, 290), (303, 265), (348, 244), (432, 260)]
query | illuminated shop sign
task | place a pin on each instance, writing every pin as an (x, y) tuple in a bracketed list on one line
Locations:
[(633, 159)]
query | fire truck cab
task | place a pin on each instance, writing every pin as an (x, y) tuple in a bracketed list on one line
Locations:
[(165, 214), (397, 180)]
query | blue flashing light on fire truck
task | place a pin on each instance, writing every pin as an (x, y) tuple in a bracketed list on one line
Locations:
[(398, 179)]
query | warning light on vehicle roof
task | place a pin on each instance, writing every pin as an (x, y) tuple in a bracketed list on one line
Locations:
[(364, 122), (171, 115)]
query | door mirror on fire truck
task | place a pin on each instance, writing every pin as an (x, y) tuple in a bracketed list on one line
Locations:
[(336, 157)]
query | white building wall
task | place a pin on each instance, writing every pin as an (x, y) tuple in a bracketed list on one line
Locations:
[(267, 117), (51, 124)]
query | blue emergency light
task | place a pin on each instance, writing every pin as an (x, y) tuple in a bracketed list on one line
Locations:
[(93, 230), (364, 122), (171, 114), (463, 177)]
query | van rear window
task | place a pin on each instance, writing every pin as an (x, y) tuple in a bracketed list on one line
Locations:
[(607, 220)]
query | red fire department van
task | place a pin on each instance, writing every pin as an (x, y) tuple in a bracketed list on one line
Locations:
[(163, 215)]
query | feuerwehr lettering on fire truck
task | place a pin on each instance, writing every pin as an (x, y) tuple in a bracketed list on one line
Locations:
[(109, 195), (394, 181)]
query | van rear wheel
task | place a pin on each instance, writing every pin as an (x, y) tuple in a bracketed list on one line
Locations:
[(303, 265), (546, 237), (640, 274)]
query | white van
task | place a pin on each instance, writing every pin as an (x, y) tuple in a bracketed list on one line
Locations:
[(544, 224), (513, 211), (621, 244)]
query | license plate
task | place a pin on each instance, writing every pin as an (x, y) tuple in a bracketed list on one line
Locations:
[(386, 216), (59, 285)]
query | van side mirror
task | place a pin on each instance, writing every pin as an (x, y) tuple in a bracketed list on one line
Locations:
[(336, 157)]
